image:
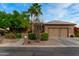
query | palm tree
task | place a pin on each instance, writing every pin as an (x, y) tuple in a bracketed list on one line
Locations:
[(35, 11)]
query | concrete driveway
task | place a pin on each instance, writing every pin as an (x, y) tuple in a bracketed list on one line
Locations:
[(57, 42), (68, 42)]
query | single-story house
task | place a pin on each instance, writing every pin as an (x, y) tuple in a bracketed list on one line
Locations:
[(59, 28)]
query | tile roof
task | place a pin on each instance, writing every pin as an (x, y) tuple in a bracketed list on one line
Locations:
[(59, 22)]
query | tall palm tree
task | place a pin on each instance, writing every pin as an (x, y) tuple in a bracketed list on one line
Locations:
[(35, 11)]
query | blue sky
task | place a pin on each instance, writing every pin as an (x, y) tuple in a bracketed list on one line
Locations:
[(51, 11)]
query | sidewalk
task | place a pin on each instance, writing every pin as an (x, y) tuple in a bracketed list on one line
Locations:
[(50, 43), (28, 45)]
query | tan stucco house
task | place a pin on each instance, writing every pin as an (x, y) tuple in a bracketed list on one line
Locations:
[(59, 28)]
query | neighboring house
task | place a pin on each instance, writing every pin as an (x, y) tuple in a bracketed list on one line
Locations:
[(59, 29), (76, 28)]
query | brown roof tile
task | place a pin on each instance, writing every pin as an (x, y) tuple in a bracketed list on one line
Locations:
[(59, 22)]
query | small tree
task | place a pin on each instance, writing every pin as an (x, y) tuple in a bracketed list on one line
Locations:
[(14, 21)]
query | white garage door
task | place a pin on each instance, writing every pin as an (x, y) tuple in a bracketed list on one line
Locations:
[(55, 33)]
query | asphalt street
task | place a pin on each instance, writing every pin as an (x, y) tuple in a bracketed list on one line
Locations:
[(34, 51)]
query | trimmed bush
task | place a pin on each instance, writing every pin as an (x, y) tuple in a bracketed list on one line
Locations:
[(10, 36), (18, 35), (32, 36), (44, 36)]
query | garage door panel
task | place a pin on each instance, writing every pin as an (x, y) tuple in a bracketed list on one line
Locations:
[(54, 33), (63, 33)]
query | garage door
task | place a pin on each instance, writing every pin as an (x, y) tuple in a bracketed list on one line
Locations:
[(54, 33), (63, 33)]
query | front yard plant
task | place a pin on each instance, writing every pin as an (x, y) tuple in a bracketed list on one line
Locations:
[(18, 35), (31, 36), (10, 36), (44, 36)]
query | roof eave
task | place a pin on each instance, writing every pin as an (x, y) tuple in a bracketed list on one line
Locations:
[(60, 24)]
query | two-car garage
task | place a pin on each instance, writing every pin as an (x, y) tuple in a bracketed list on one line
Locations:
[(59, 29)]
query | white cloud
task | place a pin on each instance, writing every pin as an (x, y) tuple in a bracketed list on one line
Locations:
[(73, 20), (64, 5), (60, 11)]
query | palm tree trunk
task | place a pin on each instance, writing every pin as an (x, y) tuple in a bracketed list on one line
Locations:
[(32, 18)]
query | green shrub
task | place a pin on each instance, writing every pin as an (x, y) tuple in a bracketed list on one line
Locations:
[(76, 33), (32, 36), (18, 35), (10, 36), (44, 36)]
